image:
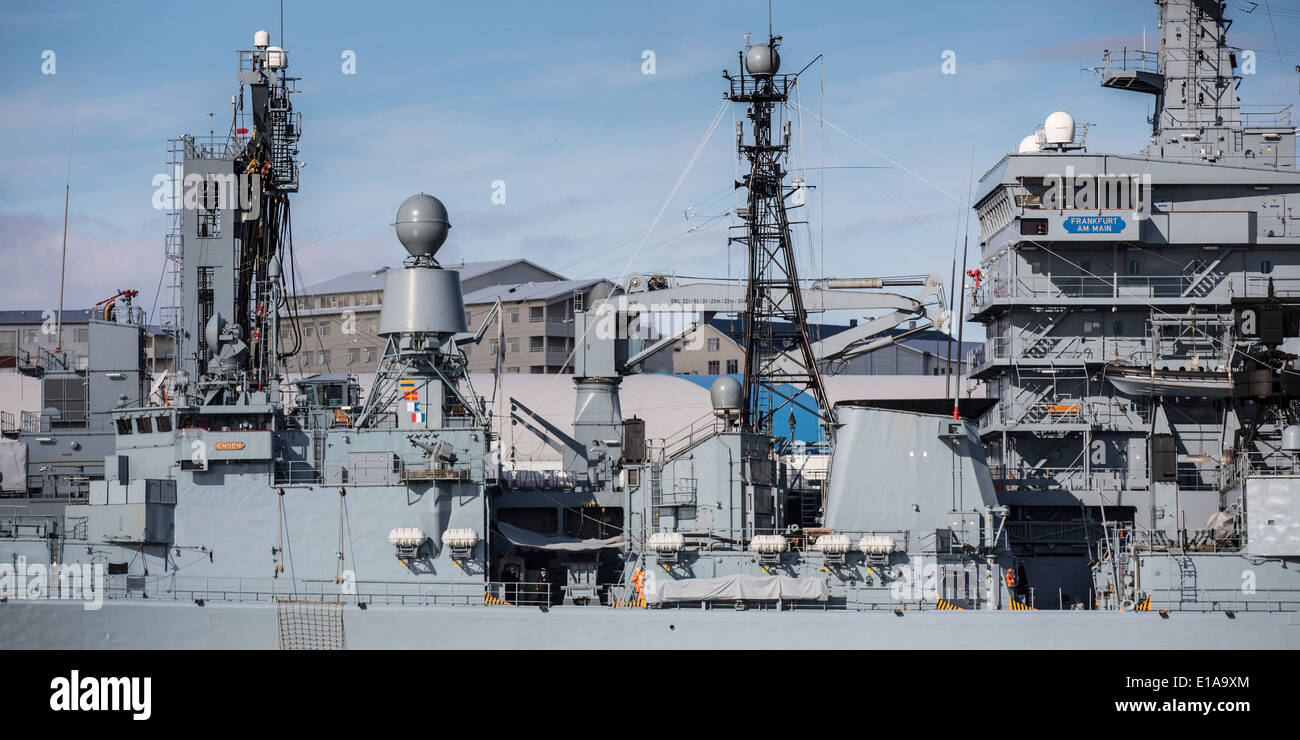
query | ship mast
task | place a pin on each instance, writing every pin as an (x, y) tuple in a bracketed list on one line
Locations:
[(780, 367)]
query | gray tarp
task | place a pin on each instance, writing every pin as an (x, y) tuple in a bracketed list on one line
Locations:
[(538, 541), (736, 588), (13, 465)]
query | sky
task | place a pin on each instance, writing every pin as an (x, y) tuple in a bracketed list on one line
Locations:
[(553, 100)]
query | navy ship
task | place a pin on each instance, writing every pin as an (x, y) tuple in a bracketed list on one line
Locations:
[(1133, 483)]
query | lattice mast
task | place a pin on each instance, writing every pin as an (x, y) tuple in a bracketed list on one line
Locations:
[(779, 362)]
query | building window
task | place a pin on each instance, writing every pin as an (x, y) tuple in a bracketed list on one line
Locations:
[(368, 354), (733, 366), (536, 314), (1091, 327), (323, 357), (83, 334), (492, 348), (31, 336), (307, 329), (305, 359), (537, 370), (713, 367), (372, 325), (512, 316), (324, 328), (715, 345), (363, 300), (535, 344), (512, 345), (514, 370), (1265, 267)]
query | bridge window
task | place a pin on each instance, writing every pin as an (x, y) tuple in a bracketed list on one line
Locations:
[(1033, 227)]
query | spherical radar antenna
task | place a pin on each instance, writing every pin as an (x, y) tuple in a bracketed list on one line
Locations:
[(422, 225), (762, 60), (725, 393)]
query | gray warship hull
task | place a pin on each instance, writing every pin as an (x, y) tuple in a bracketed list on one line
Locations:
[(123, 624)]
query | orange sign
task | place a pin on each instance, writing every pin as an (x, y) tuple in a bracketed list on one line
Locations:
[(228, 446)]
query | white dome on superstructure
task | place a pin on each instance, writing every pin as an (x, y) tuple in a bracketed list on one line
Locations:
[(1059, 128)]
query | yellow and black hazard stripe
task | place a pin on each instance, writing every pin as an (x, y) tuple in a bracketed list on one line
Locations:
[(638, 601), (947, 606), (1019, 606), (490, 599), (1144, 605)]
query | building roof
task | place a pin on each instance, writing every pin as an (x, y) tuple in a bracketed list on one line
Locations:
[(368, 280), (70, 316), (36, 315), (929, 341), (544, 291)]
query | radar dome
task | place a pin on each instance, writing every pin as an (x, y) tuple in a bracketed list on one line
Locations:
[(261, 39), (422, 225), (1030, 145), (1059, 128), (277, 58), (762, 60), (725, 394)]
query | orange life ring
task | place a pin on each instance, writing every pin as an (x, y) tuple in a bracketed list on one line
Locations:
[(1011, 578)]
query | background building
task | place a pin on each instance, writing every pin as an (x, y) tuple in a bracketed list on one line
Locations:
[(536, 331), (339, 319), (720, 350), (28, 335)]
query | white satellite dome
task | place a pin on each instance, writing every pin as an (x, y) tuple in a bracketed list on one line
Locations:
[(1030, 145), (261, 40), (1059, 128), (276, 58)]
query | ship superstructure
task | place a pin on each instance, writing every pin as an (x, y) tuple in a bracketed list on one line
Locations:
[(237, 510), (1120, 295)]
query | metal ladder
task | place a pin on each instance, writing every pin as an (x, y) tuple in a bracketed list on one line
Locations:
[(656, 493), (1187, 592)]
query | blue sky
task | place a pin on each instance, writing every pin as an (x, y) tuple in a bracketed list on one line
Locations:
[(550, 98)]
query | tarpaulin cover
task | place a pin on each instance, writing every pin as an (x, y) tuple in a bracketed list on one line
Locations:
[(539, 541), (737, 588), (13, 465)]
